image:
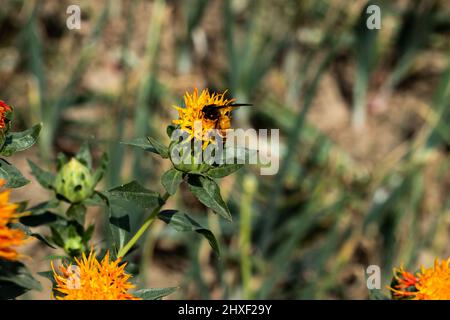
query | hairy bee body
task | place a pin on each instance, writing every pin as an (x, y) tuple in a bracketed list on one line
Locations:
[(221, 115)]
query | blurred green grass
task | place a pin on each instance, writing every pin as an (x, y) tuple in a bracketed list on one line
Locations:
[(332, 209)]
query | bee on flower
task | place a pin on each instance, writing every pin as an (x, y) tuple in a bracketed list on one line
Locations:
[(204, 113)]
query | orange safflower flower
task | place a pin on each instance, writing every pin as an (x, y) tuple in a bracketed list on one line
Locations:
[(9, 238), (4, 108), (90, 279), (428, 284), (192, 113), (405, 286)]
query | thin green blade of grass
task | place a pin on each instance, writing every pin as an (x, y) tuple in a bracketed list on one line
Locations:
[(196, 270), (32, 44), (323, 254), (116, 150), (441, 132), (416, 28), (232, 55), (193, 14), (302, 224), (292, 142), (245, 231), (365, 51), (52, 113), (146, 90)]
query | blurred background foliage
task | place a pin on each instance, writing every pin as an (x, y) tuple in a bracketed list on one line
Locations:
[(364, 117)]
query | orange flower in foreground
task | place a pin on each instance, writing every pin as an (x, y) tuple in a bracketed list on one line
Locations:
[(90, 279), (428, 284), (4, 108), (405, 286), (9, 238)]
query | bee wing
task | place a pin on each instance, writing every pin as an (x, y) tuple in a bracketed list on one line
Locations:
[(233, 105), (210, 107), (240, 105)]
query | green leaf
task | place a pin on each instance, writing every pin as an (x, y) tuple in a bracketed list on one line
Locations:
[(223, 170), (170, 129), (36, 220), (171, 179), (84, 155), (376, 294), (207, 192), (68, 234), (17, 273), (126, 206), (49, 274), (141, 143), (19, 141), (98, 175), (45, 178), (161, 149), (61, 160), (88, 233), (77, 212), (56, 236), (10, 290), (155, 293), (30, 233), (22, 206), (137, 194), (182, 222), (238, 155), (97, 199), (53, 257), (43, 207), (119, 217), (13, 177), (149, 145)]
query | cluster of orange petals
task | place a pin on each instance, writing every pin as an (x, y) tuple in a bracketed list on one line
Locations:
[(405, 281), (4, 108), (9, 238), (89, 279), (427, 284)]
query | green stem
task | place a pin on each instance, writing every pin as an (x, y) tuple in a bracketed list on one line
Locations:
[(147, 223), (245, 234), (147, 254)]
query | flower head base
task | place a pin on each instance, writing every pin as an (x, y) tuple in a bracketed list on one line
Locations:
[(9, 238), (90, 279), (4, 109), (427, 284), (192, 118)]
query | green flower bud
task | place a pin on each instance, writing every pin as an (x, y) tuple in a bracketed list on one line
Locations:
[(74, 245), (74, 181)]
